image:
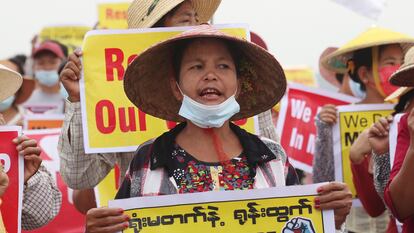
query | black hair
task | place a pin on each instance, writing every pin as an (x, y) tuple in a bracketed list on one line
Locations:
[(181, 46), (403, 101), (339, 77), (20, 61)]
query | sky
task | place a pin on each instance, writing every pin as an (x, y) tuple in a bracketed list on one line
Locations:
[(296, 31)]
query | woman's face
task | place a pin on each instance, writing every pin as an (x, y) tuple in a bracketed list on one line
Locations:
[(391, 55), (207, 72), (185, 15)]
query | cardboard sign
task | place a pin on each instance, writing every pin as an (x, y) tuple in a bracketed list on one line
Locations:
[(68, 218), (284, 209), (71, 36), (296, 125), (43, 121), (113, 15), (111, 123), (11, 209), (352, 120)]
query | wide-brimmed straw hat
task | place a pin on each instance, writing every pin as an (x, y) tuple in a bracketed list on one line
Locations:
[(328, 74), (27, 87), (145, 13), (147, 78), (404, 76), (10, 82), (374, 36)]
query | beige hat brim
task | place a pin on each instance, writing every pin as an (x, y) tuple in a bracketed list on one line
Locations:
[(147, 78), (10, 82), (403, 76), (398, 93), (137, 12)]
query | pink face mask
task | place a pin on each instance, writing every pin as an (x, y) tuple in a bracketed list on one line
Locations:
[(384, 75)]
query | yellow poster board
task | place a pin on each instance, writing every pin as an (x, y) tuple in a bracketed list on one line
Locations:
[(71, 36), (285, 209), (301, 75), (113, 15), (111, 123), (353, 119)]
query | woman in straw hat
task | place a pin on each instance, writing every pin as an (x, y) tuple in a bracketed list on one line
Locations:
[(394, 185), (82, 171), (369, 59), (341, 81), (41, 197), (208, 79), (10, 108)]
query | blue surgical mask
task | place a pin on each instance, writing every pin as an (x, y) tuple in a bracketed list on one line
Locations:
[(208, 116), (7, 103), (47, 77), (356, 89)]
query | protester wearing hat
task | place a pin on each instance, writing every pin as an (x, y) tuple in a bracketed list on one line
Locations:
[(47, 58), (10, 108), (210, 79), (341, 81), (82, 171), (394, 185), (41, 197), (369, 60)]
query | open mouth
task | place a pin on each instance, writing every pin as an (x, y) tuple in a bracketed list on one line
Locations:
[(210, 93)]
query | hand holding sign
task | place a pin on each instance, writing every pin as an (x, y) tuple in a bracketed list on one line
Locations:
[(4, 180), (328, 114), (106, 220), (378, 135), (71, 74), (336, 196), (28, 148), (360, 148)]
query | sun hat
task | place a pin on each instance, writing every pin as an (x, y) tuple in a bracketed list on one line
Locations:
[(327, 74), (404, 76), (145, 13), (147, 78), (50, 46), (27, 87), (374, 36), (10, 82)]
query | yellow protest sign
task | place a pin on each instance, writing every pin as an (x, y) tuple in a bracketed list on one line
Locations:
[(301, 75), (353, 119), (285, 209), (111, 122), (71, 36), (113, 15)]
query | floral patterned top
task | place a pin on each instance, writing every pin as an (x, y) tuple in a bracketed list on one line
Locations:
[(192, 175)]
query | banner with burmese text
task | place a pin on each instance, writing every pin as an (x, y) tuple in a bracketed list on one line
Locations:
[(283, 209)]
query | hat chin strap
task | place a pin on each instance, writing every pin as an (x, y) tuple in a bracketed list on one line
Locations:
[(375, 73)]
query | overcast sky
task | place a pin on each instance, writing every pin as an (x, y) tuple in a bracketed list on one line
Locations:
[(296, 31)]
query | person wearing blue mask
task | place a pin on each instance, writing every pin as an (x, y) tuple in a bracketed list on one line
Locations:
[(208, 79), (41, 197), (49, 94), (11, 108)]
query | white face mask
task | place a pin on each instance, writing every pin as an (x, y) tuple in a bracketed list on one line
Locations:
[(208, 116), (356, 89), (7, 103)]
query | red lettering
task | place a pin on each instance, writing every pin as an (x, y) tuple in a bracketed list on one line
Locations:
[(117, 176), (241, 122), (131, 58), (99, 115), (142, 120), (131, 126), (171, 124), (113, 61), (109, 14)]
